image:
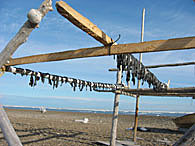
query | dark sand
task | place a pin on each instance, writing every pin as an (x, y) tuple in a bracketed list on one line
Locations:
[(59, 128)]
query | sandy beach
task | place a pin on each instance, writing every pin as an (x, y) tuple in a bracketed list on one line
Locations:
[(59, 128)]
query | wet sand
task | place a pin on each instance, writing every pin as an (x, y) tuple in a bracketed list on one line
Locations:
[(60, 129)]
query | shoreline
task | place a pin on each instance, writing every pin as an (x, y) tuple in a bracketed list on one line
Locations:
[(122, 112)]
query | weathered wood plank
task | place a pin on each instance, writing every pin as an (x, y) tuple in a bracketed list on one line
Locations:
[(82, 22), (150, 46), (7, 129), (188, 139), (169, 90), (22, 35), (174, 94)]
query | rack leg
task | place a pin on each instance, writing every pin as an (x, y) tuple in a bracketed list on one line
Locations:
[(7, 129)]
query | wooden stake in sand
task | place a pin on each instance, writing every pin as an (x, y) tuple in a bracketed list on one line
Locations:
[(138, 84), (7, 129), (115, 111)]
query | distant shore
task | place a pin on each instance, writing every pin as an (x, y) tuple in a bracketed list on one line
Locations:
[(60, 128), (122, 112)]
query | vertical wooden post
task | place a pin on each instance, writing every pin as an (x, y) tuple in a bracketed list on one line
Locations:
[(115, 111), (7, 129), (138, 84)]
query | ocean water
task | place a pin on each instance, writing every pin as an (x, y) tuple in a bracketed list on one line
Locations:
[(122, 112)]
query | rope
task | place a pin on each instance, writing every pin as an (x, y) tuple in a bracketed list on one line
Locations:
[(113, 42), (55, 80)]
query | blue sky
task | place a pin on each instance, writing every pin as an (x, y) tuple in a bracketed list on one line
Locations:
[(164, 19)]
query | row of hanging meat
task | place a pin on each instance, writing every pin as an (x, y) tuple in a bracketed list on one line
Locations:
[(135, 69), (55, 80)]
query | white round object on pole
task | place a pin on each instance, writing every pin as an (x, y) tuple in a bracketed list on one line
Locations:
[(34, 16)]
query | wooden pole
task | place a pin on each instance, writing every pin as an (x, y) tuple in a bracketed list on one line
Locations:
[(7, 129), (169, 94), (168, 90), (170, 65), (139, 82), (150, 46), (172, 94), (188, 139), (162, 65), (115, 111)]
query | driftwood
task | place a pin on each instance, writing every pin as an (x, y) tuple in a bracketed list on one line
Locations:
[(150, 46), (7, 129), (22, 35), (188, 139)]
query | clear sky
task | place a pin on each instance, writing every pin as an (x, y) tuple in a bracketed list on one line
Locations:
[(164, 19)]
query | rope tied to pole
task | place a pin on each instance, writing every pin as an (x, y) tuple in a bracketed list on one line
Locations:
[(112, 43)]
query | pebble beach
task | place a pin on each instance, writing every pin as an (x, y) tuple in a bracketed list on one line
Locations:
[(55, 128)]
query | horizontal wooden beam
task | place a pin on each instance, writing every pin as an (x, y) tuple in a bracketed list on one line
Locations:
[(150, 46), (168, 90), (116, 91), (169, 94), (162, 65), (170, 65), (82, 22), (156, 94), (173, 94)]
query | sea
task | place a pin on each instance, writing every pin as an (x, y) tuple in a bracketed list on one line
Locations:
[(122, 112)]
